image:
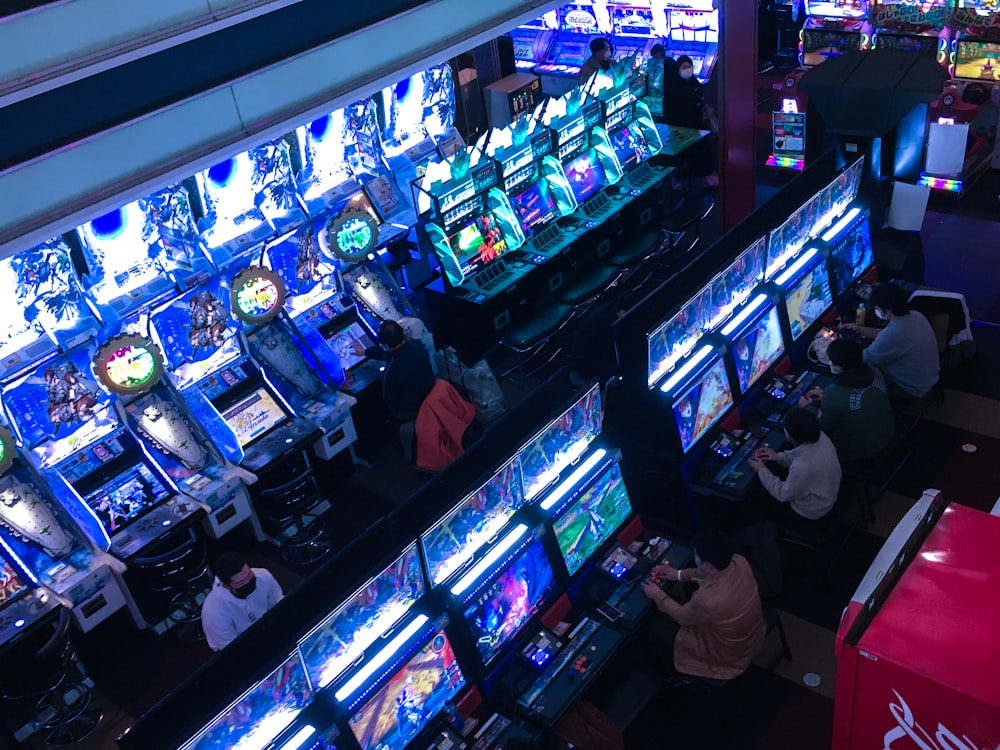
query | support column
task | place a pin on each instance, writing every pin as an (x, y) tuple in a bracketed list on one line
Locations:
[(737, 110)]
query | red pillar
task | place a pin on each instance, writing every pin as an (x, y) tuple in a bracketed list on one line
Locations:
[(737, 71)]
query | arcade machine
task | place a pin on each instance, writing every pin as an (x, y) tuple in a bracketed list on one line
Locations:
[(579, 23), (23, 603), (633, 136), (834, 28), (636, 27), (511, 98), (693, 30), (848, 248), (533, 40), (916, 27), (55, 553)]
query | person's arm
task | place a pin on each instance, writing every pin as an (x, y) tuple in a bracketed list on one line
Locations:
[(219, 630), (829, 416), (784, 458), (795, 486), (274, 592), (691, 613), (881, 350), (868, 331)]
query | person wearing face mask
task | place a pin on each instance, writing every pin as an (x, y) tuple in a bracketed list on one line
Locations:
[(906, 350), (854, 411), (239, 597), (684, 106), (810, 490)]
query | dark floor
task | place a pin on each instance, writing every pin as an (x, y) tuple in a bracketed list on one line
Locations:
[(772, 710)]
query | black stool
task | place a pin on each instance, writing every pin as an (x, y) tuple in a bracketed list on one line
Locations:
[(528, 337), (43, 665), (646, 245), (288, 505), (689, 213), (182, 573), (587, 285)]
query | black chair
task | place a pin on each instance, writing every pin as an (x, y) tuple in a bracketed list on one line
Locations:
[(688, 214), (586, 285), (181, 572), (288, 506), (530, 336), (772, 622), (43, 666), (640, 248), (826, 537)]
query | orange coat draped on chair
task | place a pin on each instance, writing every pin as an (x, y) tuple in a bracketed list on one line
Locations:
[(442, 420)]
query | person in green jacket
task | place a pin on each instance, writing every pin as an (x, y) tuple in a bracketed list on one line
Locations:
[(855, 410)]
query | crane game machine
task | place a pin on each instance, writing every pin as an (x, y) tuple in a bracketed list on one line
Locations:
[(834, 28), (920, 27), (50, 548), (579, 23), (693, 30), (533, 40)]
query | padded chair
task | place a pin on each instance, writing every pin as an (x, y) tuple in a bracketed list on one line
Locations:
[(586, 285), (42, 665), (828, 537), (181, 571), (287, 505), (530, 336), (639, 249), (688, 214)]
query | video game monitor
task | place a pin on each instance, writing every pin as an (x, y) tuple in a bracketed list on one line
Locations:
[(674, 339), (977, 60), (807, 299), (591, 519), (852, 256), (254, 416), (630, 146), (702, 404), (586, 175), (837, 8), (478, 243), (11, 585), (758, 348), (501, 610), (535, 205), (410, 699), (125, 498)]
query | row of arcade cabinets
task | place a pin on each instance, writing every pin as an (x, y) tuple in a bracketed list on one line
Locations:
[(157, 359), (555, 45), (455, 617), (960, 139), (715, 349), (508, 218)]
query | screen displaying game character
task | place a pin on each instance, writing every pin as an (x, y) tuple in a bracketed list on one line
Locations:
[(757, 349), (808, 299), (592, 518), (702, 405)]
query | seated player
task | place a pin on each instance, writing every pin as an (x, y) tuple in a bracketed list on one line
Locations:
[(810, 490), (408, 374), (854, 411), (239, 597), (721, 629), (600, 59), (906, 350)]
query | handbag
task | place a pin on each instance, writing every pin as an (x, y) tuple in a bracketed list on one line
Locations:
[(477, 384)]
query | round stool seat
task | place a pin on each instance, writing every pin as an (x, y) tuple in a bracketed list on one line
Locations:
[(67, 714), (544, 321), (587, 284), (689, 212), (636, 250)]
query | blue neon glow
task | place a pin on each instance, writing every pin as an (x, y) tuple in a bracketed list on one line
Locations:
[(747, 311), (299, 738), (678, 377), (364, 674), (573, 479), (796, 267), (833, 231), (487, 562)]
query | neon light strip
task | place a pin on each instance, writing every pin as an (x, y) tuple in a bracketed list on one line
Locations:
[(585, 468), (686, 369), (487, 562), (795, 267), (940, 183), (786, 162), (837, 228), (740, 319), (299, 738), (365, 673)]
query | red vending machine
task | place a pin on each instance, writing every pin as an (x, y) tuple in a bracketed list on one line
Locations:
[(918, 652)]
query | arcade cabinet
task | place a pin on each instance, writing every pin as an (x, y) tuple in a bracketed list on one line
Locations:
[(579, 24), (512, 97), (922, 28), (533, 40), (693, 30), (834, 28)]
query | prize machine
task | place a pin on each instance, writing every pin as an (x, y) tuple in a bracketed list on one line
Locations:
[(579, 24), (533, 40), (693, 30), (50, 545), (919, 27), (833, 28)]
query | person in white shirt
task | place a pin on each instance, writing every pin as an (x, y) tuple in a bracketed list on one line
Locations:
[(239, 597)]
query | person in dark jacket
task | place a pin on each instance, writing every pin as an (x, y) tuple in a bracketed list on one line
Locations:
[(408, 374), (601, 52), (684, 106)]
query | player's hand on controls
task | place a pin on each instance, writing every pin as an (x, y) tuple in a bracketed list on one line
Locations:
[(754, 465), (765, 453), (811, 396), (651, 590), (853, 327)]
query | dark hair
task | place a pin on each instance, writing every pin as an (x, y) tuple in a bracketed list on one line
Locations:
[(599, 44), (684, 59), (228, 564), (890, 297), (714, 546), (391, 334), (802, 425), (845, 353), (658, 49)]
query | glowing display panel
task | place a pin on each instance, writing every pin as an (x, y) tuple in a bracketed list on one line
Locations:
[(478, 243), (702, 405), (453, 540), (592, 518), (977, 60), (499, 612), (325, 144), (370, 612), (819, 45), (561, 443), (350, 345), (837, 8), (758, 349), (852, 255), (11, 585), (131, 366), (536, 206), (808, 299), (413, 696), (254, 416), (585, 175), (261, 714), (422, 103), (675, 339), (126, 497), (733, 287), (630, 146)]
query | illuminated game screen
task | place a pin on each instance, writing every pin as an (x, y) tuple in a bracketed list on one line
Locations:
[(561, 443), (632, 21), (852, 256), (350, 344), (500, 611), (455, 538), (126, 497), (578, 17), (413, 696), (592, 518), (254, 416), (586, 175), (808, 299), (733, 286), (702, 405), (423, 102), (844, 189), (11, 585), (359, 201), (786, 241), (676, 338), (926, 45), (837, 8), (757, 349), (630, 146), (536, 205), (261, 714), (370, 612), (977, 60), (478, 243), (819, 45)]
